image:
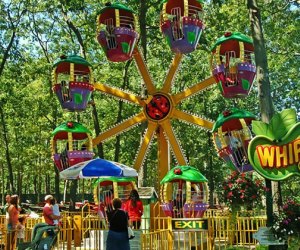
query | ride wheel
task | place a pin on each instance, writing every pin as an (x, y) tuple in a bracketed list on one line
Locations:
[(157, 110)]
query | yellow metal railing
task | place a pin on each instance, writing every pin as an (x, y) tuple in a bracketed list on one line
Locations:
[(246, 226), (236, 231), (156, 240), (86, 230), (2, 230), (196, 239)]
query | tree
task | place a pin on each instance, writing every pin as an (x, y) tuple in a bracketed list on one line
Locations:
[(10, 28), (41, 32)]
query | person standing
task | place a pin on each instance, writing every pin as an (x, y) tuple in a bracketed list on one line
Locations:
[(55, 209), (5, 208), (21, 229), (178, 204), (12, 222), (117, 237), (135, 209), (48, 211), (7, 203)]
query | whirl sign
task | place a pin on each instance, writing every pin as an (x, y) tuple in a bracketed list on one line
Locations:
[(279, 156), (275, 150)]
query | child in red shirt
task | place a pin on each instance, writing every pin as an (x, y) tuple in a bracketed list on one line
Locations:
[(134, 208)]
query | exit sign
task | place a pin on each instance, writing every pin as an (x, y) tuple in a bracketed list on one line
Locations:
[(184, 224)]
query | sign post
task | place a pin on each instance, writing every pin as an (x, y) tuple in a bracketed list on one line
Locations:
[(266, 237)]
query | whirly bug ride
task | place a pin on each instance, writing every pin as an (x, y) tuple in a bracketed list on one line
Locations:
[(182, 25), (72, 81), (184, 193), (233, 65), (71, 143), (160, 106), (117, 31), (232, 134)]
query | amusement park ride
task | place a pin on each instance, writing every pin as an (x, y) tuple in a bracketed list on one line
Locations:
[(181, 23)]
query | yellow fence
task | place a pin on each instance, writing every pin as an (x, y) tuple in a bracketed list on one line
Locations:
[(238, 231), (156, 240), (88, 231), (2, 232)]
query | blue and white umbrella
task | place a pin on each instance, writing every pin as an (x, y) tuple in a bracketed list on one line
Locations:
[(97, 168)]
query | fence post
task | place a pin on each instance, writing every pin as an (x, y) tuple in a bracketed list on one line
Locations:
[(170, 234), (77, 230), (69, 233), (211, 230)]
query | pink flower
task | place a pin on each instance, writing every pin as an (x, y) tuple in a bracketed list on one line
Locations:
[(230, 194), (285, 207)]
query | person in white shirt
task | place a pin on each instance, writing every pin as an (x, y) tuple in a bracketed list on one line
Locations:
[(55, 209), (21, 229)]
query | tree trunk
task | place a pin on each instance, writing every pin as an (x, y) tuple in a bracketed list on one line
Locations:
[(35, 184), (143, 30), (74, 184), (143, 41), (2, 186), (263, 82), (7, 154), (211, 183), (56, 180), (19, 182), (47, 187), (56, 185), (118, 138), (262, 71), (119, 118), (73, 191), (97, 127)]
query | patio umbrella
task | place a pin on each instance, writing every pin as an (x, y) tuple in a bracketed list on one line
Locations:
[(97, 168)]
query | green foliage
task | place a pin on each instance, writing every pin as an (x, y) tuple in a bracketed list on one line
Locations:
[(31, 111), (258, 247), (242, 189), (287, 220), (279, 125)]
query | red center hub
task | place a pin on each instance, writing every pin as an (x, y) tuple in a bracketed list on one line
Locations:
[(159, 107)]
